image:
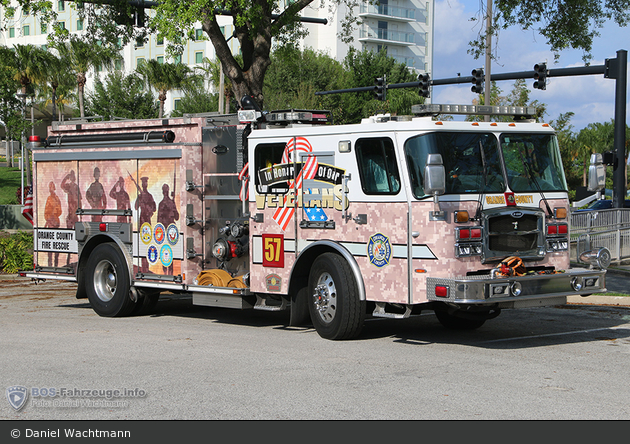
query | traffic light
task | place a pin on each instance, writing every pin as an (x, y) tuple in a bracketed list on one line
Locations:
[(425, 80), (380, 89), (540, 76), (477, 81)]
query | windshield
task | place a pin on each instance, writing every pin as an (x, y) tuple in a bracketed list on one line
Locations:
[(533, 162), (471, 161)]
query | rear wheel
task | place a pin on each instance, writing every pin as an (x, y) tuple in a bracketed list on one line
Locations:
[(334, 304), (107, 281)]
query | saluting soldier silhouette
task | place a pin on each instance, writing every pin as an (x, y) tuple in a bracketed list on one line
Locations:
[(95, 195)]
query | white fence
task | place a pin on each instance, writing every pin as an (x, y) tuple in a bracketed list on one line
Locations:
[(602, 228)]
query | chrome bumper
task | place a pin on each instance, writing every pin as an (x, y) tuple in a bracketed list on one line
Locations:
[(486, 290)]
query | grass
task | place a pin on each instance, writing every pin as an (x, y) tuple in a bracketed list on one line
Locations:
[(10, 181)]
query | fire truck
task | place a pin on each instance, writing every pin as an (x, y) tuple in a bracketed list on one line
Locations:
[(285, 210)]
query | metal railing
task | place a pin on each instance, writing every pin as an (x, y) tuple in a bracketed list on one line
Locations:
[(601, 228)]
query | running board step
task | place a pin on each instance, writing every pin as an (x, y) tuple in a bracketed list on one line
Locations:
[(261, 304), (379, 312)]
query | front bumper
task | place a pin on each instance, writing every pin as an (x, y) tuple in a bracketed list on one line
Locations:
[(486, 290)]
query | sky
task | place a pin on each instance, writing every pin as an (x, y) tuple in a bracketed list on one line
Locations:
[(591, 98)]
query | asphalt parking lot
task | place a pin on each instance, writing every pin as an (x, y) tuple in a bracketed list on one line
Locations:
[(196, 363)]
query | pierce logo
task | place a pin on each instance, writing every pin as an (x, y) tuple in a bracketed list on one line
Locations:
[(17, 396)]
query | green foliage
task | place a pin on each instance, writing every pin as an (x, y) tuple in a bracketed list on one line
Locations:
[(121, 96), (564, 23), (16, 252), (164, 77), (197, 101)]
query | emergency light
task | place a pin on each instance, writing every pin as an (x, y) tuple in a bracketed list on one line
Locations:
[(430, 109)]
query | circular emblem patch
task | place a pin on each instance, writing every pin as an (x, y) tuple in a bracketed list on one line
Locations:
[(152, 254), (379, 250), (166, 255), (146, 234), (172, 234), (159, 233)]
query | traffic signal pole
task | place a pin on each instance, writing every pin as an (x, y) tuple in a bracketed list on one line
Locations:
[(616, 68)]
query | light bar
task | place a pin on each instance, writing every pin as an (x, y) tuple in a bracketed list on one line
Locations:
[(304, 116), (424, 110)]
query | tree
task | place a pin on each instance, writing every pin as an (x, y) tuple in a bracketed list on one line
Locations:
[(10, 106), (82, 56), (255, 25), (363, 68), (58, 83), (564, 23), (295, 75), (164, 77), (123, 96)]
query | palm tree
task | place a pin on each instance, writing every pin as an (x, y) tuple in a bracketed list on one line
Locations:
[(164, 77), (82, 56), (57, 88), (29, 64)]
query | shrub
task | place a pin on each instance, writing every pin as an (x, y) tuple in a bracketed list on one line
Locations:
[(16, 252)]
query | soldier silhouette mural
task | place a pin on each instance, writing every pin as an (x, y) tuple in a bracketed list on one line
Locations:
[(52, 211), (70, 186), (95, 195), (167, 214), (120, 195), (146, 205)]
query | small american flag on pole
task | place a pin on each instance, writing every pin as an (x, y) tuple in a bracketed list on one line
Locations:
[(27, 209)]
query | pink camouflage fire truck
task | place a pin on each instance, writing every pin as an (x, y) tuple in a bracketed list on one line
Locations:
[(284, 210)]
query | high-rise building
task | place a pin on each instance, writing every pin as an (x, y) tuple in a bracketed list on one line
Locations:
[(403, 28)]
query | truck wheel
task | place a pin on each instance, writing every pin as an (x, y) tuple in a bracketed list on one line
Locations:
[(107, 281), (334, 305), (456, 323)]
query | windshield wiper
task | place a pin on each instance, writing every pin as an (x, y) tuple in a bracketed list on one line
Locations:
[(532, 179)]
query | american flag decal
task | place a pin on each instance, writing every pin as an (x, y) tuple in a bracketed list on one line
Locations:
[(284, 214)]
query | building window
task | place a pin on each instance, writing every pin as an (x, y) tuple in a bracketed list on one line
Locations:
[(176, 103), (11, 32), (160, 40), (61, 5), (79, 25), (62, 25), (44, 47), (160, 60), (26, 30), (99, 68), (139, 42), (43, 28), (222, 28), (178, 59), (199, 57), (198, 34), (139, 61), (119, 43), (118, 64)]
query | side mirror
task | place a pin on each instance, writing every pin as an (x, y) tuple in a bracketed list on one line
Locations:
[(434, 175), (435, 184), (596, 173)]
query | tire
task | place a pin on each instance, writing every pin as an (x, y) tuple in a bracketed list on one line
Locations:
[(107, 281), (456, 323), (334, 305)]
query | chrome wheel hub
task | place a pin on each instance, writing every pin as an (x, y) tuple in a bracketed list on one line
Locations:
[(325, 297), (105, 280)]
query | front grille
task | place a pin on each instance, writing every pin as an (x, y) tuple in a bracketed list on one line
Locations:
[(505, 223), (513, 232)]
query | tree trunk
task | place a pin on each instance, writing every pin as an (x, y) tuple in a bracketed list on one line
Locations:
[(54, 103), (81, 80), (162, 99)]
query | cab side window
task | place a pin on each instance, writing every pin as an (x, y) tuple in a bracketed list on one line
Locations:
[(377, 166)]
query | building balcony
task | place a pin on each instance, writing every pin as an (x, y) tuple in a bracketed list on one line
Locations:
[(393, 13), (384, 36)]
